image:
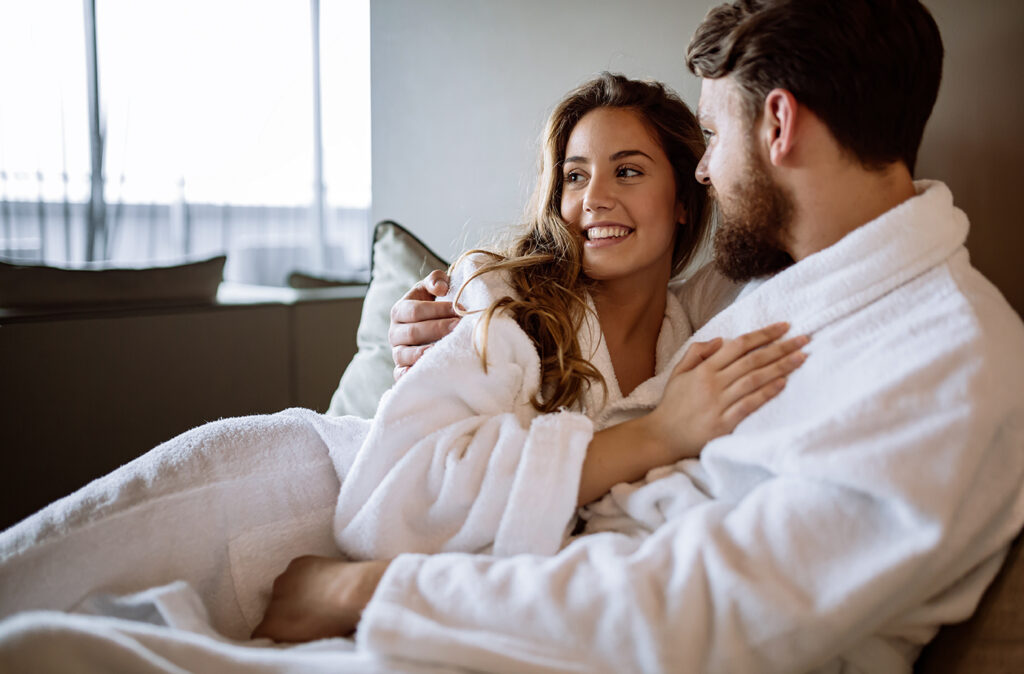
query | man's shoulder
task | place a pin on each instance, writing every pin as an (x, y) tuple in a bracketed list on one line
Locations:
[(997, 328), (949, 323)]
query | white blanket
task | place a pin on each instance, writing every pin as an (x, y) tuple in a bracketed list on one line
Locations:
[(834, 530), (215, 513)]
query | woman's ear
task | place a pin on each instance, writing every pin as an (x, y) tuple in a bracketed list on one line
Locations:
[(681, 218)]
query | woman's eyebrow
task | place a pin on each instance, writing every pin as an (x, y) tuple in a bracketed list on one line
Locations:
[(618, 155), (621, 154)]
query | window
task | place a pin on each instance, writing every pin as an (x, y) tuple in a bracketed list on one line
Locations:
[(209, 135)]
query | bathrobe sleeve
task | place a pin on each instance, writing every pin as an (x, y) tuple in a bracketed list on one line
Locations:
[(859, 512), (457, 458)]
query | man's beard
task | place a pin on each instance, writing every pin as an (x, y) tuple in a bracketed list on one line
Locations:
[(752, 220)]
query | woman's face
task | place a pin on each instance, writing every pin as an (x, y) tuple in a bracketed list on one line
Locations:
[(618, 188)]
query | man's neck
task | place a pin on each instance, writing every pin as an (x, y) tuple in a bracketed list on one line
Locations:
[(836, 202)]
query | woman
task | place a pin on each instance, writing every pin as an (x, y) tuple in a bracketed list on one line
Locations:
[(522, 414)]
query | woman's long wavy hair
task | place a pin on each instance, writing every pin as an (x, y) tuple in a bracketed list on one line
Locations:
[(544, 259)]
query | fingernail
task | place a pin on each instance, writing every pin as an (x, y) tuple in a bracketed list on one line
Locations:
[(803, 340), (442, 287), (452, 323), (798, 357)]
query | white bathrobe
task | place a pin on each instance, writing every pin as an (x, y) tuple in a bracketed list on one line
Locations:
[(834, 530), (459, 460)]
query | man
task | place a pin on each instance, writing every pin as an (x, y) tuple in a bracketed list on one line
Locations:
[(837, 528)]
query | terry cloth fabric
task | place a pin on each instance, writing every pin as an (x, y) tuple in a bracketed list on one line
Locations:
[(178, 511), (166, 630), (834, 530), (457, 458)]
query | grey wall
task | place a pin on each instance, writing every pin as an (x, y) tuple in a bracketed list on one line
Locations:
[(460, 90)]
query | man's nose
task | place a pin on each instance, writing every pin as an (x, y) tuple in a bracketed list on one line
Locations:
[(599, 195), (701, 172)]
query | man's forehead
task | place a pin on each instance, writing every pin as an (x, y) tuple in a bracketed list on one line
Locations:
[(713, 95)]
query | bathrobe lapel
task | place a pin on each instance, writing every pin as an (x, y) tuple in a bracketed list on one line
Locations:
[(866, 264)]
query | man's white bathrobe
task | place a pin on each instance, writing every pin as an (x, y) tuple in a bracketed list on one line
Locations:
[(834, 530)]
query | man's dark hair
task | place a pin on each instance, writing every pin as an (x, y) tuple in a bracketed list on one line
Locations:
[(870, 69)]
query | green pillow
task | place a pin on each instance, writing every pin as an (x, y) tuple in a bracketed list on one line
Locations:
[(398, 260)]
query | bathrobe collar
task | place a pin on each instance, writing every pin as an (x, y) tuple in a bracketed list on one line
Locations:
[(675, 329), (867, 263)]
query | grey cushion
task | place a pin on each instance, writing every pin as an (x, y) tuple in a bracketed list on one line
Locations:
[(398, 260), (302, 281), (37, 286)]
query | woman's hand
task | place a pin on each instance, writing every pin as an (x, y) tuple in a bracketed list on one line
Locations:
[(717, 384), (319, 597), (714, 387)]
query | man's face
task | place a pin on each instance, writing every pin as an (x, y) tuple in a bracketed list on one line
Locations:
[(755, 212)]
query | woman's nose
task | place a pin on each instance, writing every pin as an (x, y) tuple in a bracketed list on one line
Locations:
[(598, 196)]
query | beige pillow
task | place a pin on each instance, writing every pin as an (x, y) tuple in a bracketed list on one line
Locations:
[(398, 260)]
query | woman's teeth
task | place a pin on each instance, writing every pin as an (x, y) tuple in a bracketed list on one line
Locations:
[(608, 232)]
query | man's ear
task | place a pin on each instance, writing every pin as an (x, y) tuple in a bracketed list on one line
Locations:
[(780, 122)]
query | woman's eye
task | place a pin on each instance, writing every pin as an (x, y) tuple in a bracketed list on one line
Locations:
[(572, 177), (626, 172)]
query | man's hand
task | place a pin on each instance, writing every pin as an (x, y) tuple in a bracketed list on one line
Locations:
[(319, 597), (418, 320)]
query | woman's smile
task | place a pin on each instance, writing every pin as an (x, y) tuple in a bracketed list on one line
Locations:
[(601, 235)]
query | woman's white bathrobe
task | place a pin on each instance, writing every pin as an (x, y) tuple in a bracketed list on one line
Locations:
[(458, 459), (834, 530)]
